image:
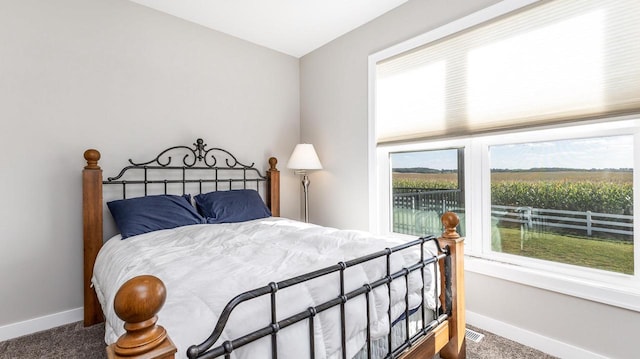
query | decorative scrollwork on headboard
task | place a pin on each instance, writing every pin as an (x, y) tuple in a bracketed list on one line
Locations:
[(198, 156), (194, 155)]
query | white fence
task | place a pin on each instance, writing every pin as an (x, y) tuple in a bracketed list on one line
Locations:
[(411, 207), (588, 221)]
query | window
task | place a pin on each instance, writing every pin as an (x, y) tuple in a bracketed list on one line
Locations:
[(527, 116), (424, 185), (568, 201), (556, 200)]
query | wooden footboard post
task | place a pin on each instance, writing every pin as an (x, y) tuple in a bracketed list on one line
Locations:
[(273, 187), (137, 302), (92, 232), (456, 347)]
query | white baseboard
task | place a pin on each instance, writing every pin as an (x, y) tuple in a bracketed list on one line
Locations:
[(34, 325), (530, 339)]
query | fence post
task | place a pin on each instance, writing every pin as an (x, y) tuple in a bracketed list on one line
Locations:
[(589, 223)]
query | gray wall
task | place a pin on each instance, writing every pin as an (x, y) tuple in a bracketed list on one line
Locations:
[(334, 90), (129, 81)]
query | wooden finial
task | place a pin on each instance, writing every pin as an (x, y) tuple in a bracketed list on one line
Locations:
[(272, 163), (137, 302), (92, 157), (450, 221)]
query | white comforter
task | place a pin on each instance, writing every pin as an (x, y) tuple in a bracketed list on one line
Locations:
[(204, 266)]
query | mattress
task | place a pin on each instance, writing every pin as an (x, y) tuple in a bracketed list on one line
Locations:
[(205, 266)]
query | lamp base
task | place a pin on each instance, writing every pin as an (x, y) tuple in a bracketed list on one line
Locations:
[(305, 188)]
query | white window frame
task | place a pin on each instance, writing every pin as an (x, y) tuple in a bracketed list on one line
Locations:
[(611, 288), (608, 287)]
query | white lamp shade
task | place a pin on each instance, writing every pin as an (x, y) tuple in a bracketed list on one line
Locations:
[(304, 157)]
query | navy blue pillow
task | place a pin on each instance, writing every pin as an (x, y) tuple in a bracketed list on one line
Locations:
[(152, 213), (231, 206)]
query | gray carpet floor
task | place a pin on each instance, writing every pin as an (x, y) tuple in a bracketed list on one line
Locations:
[(75, 341)]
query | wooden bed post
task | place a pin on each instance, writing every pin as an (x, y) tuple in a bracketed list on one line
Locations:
[(456, 347), (273, 187), (137, 302), (448, 338), (92, 232)]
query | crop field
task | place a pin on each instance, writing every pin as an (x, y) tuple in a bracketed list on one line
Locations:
[(595, 191), (527, 176), (436, 177), (564, 176)]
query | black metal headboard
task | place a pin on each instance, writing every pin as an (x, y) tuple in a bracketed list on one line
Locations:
[(201, 170), (216, 169)]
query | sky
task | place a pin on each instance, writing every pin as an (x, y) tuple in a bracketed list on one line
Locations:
[(590, 153)]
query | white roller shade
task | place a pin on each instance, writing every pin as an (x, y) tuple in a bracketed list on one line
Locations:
[(556, 61)]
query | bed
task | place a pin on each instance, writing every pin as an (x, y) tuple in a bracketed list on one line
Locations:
[(255, 286)]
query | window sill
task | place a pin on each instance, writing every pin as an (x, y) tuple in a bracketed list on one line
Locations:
[(622, 296)]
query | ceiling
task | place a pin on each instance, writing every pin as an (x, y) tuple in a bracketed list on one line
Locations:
[(294, 27)]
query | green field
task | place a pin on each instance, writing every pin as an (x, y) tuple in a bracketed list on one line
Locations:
[(601, 191), (616, 256), (581, 251)]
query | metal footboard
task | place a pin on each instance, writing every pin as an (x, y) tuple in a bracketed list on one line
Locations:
[(207, 349)]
